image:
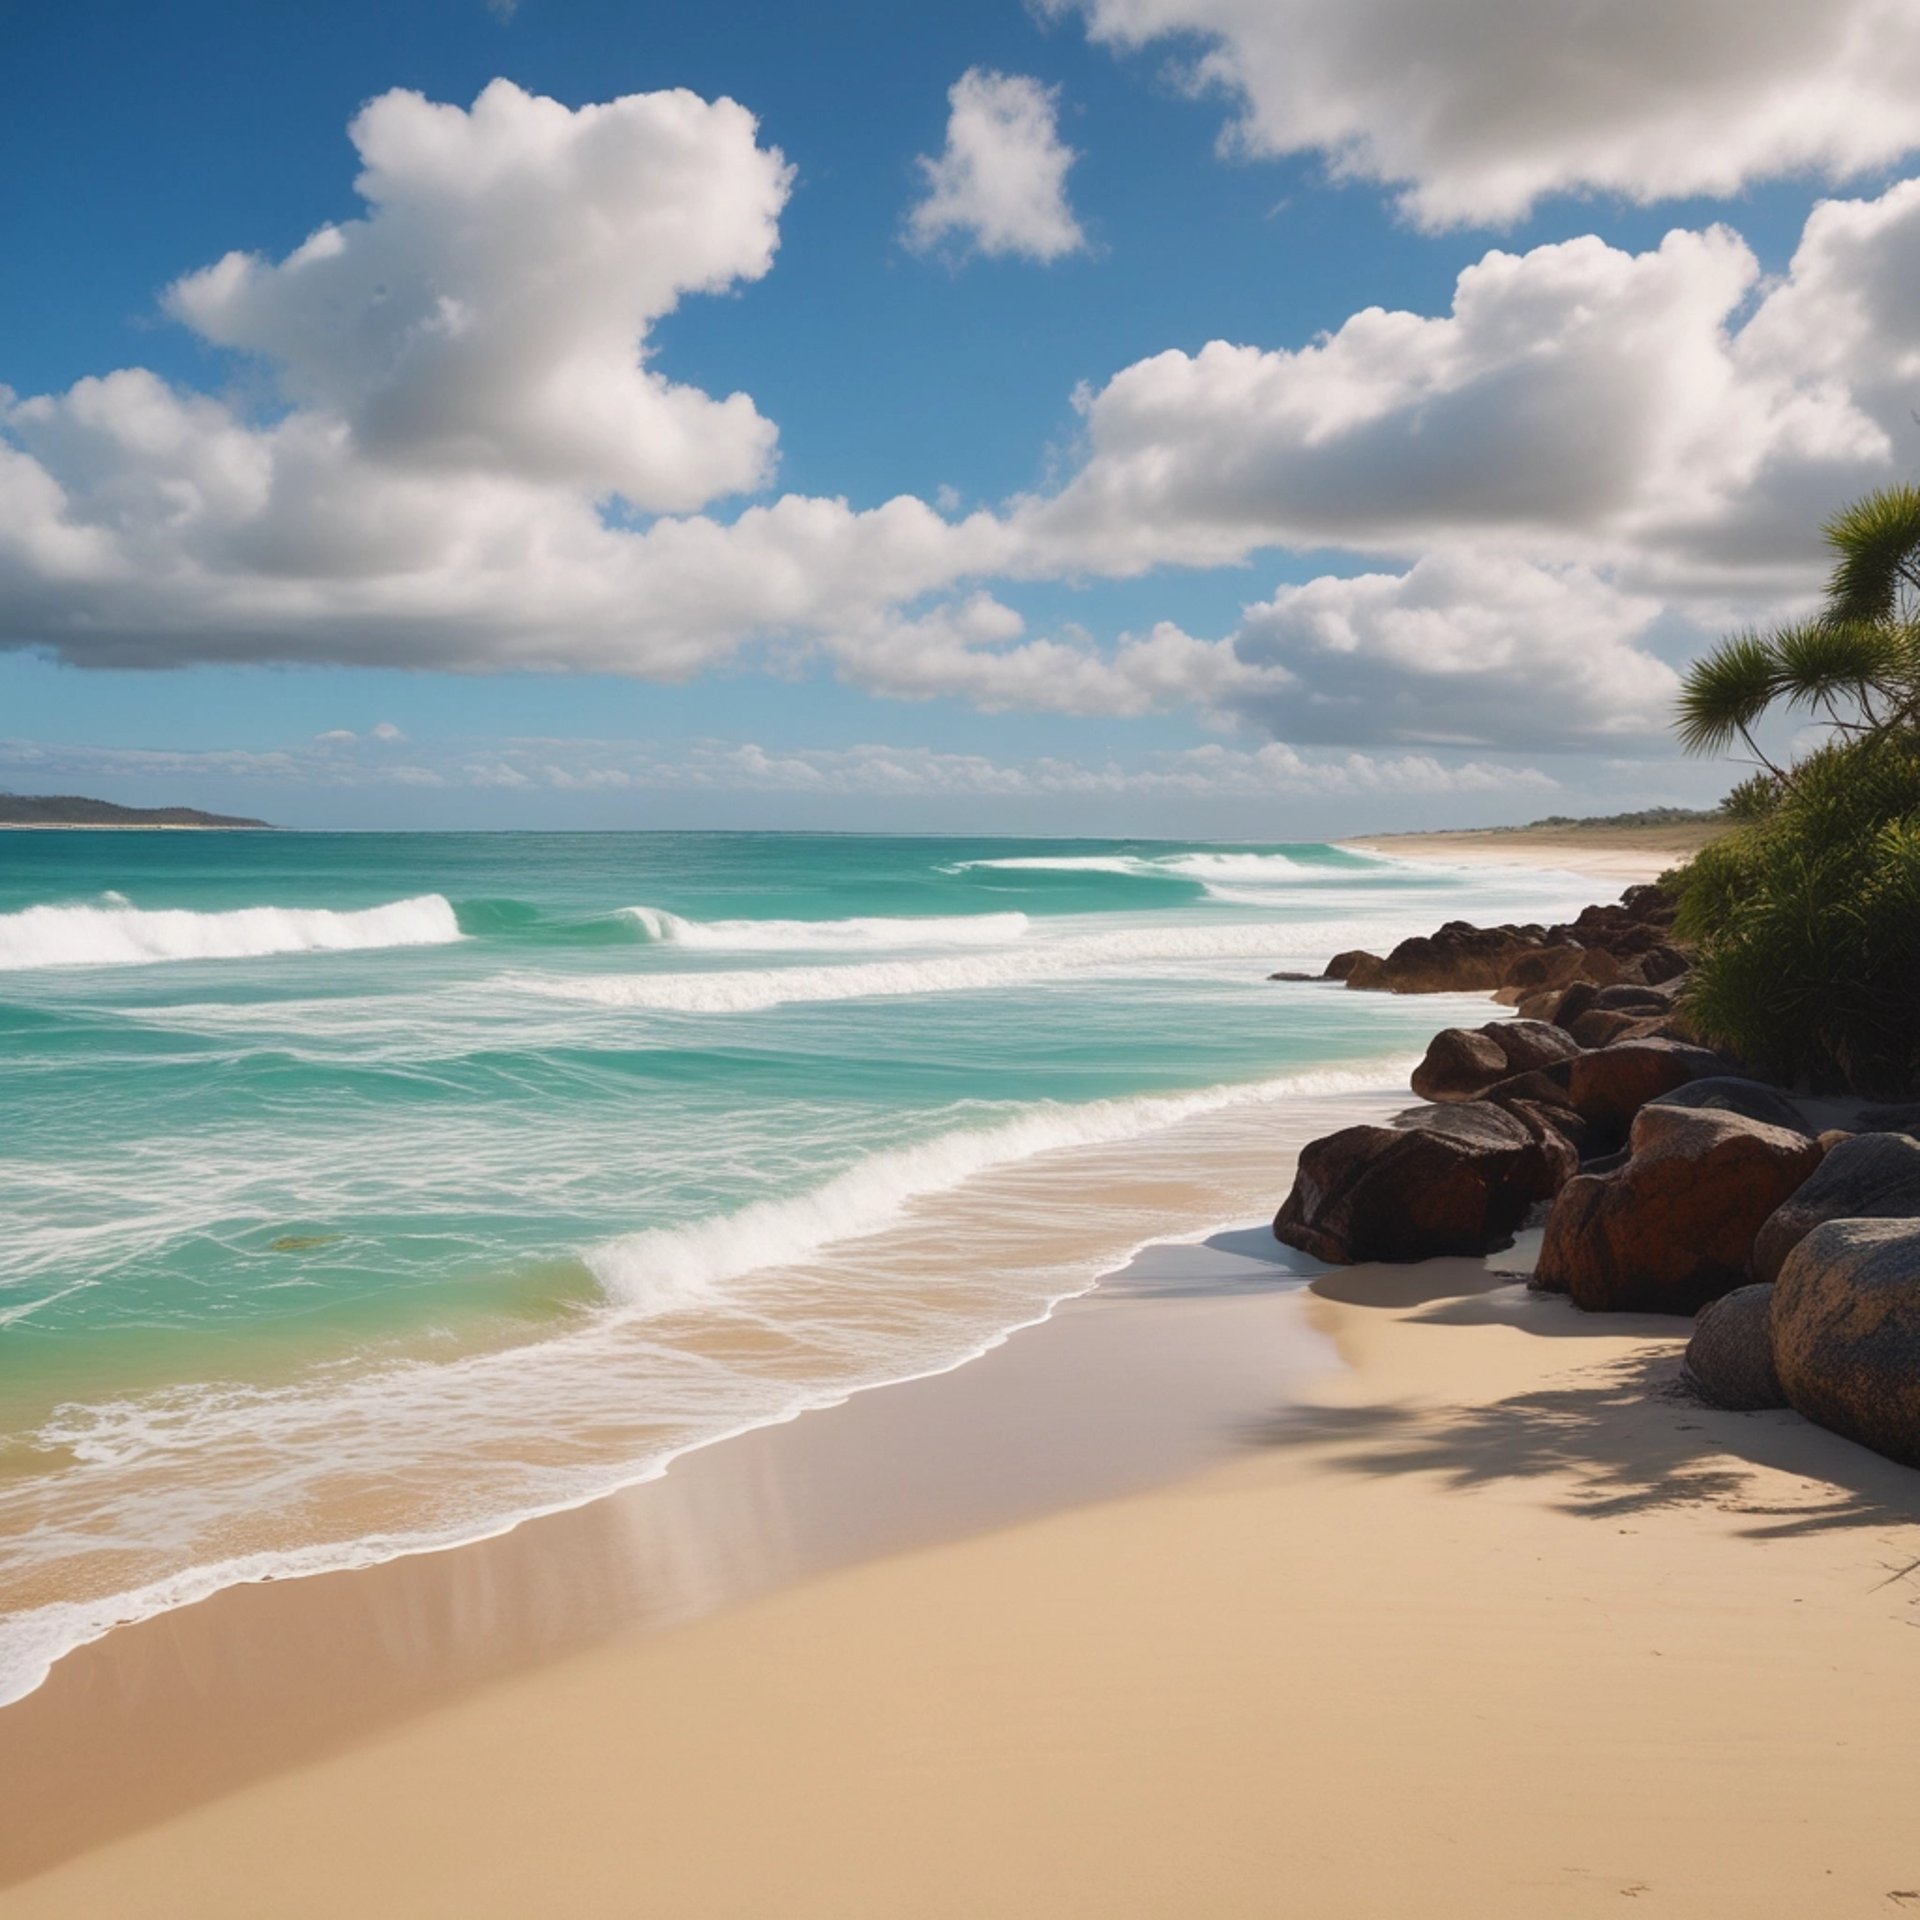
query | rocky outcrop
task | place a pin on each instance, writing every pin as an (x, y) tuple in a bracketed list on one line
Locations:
[(1730, 1357), (1869, 1176), (1463, 1062), (1624, 942), (1846, 1332), (1433, 1180), (1675, 1226), (1458, 958), (1611, 1084)]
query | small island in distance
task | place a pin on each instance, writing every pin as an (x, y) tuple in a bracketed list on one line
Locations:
[(71, 810)]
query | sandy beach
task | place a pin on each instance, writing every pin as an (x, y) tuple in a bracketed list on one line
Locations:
[(1623, 856), (1237, 1586), (1483, 1621)]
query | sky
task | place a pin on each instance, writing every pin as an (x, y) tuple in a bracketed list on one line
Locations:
[(1229, 418)]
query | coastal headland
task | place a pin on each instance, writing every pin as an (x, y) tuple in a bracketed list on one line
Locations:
[(1239, 1586)]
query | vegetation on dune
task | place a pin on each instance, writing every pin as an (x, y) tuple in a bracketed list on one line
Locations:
[(1807, 916)]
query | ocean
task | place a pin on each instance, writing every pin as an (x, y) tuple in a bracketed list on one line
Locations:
[(367, 1193)]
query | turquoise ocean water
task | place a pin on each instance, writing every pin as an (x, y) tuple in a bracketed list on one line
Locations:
[(365, 1192)]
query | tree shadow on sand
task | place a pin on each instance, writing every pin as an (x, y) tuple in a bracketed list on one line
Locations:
[(1622, 1435)]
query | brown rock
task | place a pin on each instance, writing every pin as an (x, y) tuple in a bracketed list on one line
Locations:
[(1458, 958), (1433, 1180), (1611, 1084), (1463, 1062), (1560, 966), (1846, 1332), (1342, 964), (1872, 1176), (1675, 1226), (1730, 1357)]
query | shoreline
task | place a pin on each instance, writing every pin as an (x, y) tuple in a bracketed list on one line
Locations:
[(1483, 1590), (186, 1705), (1618, 855)]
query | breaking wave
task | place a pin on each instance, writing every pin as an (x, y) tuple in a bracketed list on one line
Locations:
[(126, 936), (783, 936)]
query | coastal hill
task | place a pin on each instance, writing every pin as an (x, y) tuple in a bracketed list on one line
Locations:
[(71, 810)]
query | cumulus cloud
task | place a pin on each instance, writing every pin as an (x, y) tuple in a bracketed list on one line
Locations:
[(999, 186), (473, 462), (1477, 108), (1577, 402), (1463, 650)]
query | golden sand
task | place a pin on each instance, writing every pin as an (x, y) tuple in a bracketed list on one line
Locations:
[(1490, 1625)]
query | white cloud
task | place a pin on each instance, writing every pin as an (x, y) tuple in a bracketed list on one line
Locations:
[(490, 311), (1464, 650), (1000, 184), (1578, 403), (1587, 437), (721, 767), (386, 731), (1477, 108)]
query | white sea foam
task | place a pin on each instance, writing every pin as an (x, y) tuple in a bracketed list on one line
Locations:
[(784, 936), (124, 936), (357, 1423), (749, 990), (1059, 863), (665, 1269)]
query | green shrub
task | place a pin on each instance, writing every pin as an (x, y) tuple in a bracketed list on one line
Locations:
[(1807, 923)]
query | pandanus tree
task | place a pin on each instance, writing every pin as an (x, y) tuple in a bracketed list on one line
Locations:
[(1854, 666), (1807, 916)]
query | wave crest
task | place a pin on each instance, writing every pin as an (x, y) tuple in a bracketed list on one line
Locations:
[(125, 936), (784, 936)]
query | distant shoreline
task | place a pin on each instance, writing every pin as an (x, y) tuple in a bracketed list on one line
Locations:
[(1598, 852), (129, 826)]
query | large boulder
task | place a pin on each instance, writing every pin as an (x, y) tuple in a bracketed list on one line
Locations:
[(1458, 958), (1433, 1180), (1869, 1176), (1846, 1332), (1463, 1062), (1559, 966), (1728, 1093), (1730, 1357), (1903, 1117), (1674, 1227), (1611, 1084)]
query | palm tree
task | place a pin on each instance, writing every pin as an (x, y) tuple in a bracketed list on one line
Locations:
[(1855, 666)]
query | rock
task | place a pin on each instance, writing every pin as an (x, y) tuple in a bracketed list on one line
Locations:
[(1846, 1332), (1559, 966), (1463, 1062), (1432, 1180), (1730, 1357), (1629, 998), (1675, 1226), (1342, 964), (1658, 965), (1872, 1176), (1602, 1026), (1293, 976), (1903, 1118), (1458, 958), (1567, 1003), (1727, 1093), (1611, 1084)]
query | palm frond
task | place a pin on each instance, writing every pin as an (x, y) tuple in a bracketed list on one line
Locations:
[(1825, 662), (1725, 692), (1877, 546)]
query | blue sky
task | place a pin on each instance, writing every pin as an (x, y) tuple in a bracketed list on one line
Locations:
[(1601, 505)]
